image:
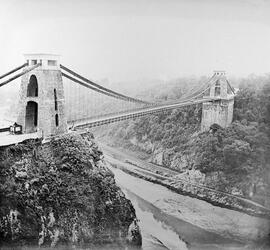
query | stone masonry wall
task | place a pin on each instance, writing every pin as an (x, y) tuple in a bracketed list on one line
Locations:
[(47, 80), (220, 112)]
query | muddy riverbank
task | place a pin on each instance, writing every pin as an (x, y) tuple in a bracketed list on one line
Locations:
[(197, 224)]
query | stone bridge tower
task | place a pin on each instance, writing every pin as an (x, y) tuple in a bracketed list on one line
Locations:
[(41, 104), (219, 111)]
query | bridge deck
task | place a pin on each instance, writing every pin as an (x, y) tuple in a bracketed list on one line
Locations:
[(8, 139), (106, 119)]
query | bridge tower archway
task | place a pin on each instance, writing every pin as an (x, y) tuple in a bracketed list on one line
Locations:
[(38, 105), (32, 88), (31, 117)]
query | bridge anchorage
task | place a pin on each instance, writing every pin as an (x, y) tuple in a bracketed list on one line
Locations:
[(43, 111)]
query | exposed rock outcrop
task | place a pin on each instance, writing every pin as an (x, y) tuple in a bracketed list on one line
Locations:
[(62, 193)]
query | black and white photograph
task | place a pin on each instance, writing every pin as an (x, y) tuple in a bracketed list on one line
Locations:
[(135, 124)]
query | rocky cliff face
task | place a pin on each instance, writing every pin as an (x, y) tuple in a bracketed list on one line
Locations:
[(62, 193), (159, 155)]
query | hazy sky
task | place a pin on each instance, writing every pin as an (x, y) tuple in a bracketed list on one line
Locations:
[(132, 39)]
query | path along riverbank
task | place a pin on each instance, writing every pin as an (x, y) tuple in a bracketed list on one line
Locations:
[(170, 179)]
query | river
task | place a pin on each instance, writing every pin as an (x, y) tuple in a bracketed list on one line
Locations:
[(173, 221)]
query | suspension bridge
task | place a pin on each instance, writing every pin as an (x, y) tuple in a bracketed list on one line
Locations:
[(55, 99)]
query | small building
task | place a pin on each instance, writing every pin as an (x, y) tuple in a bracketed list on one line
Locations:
[(15, 129)]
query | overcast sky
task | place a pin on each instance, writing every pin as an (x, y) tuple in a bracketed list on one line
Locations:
[(132, 39)]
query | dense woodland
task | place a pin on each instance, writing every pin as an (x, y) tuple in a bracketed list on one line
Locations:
[(233, 158)]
